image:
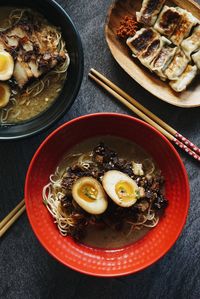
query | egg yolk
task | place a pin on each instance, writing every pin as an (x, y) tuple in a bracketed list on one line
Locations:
[(125, 191), (2, 92), (3, 63), (88, 192)]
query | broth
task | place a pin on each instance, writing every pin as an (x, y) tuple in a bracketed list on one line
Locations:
[(39, 95), (109, 237)]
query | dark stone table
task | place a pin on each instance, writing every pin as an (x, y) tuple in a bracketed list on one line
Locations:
[(26, 269)]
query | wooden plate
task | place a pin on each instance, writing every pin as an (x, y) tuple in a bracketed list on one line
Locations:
[(120, 51)]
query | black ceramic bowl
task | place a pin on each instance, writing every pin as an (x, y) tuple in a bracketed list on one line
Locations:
[(58, 17)]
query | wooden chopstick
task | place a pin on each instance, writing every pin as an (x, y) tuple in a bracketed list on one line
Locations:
[(163, 124), (10, 219), (145, 114)]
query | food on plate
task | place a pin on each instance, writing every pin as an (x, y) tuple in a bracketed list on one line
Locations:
[(188, 21), (167, 21), (149, 11), (192, 43), (104, 197), (152, 51), (175, 23), (177, 65), (141, 40), (127, 27), (33, 63), (185, 79), (167, 47), (196, 59), (162, 60)]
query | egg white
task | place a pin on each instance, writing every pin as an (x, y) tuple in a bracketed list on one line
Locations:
[(7, 72), (96, 207), (111, 179), (6, 96)]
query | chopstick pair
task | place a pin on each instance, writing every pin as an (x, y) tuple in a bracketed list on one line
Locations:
[(10, 219), (146, 114)]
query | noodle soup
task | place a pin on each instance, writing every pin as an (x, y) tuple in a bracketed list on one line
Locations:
[(40, 58), (104, 195)]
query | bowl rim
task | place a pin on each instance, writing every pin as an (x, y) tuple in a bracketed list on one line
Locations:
[(120, 115), (73, 96)]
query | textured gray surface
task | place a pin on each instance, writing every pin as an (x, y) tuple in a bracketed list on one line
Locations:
[(26, 270)]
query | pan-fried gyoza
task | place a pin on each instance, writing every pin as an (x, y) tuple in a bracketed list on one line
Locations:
[(177, 65), (192, 43), (185, 79), (147, 58), (196, 59), (167, 21), (184, 26), (141, 40), (169, 44), (149, 11)]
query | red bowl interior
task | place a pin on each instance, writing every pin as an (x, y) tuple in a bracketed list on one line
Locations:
[(128, 259)]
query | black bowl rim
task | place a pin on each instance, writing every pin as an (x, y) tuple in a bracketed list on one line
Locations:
[(76, 88)]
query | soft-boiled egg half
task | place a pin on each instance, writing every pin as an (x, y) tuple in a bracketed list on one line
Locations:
[(6, 66), (89, 195), (4, 94), (120, 188)]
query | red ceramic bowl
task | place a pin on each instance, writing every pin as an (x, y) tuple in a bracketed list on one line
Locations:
[(128, 259)]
